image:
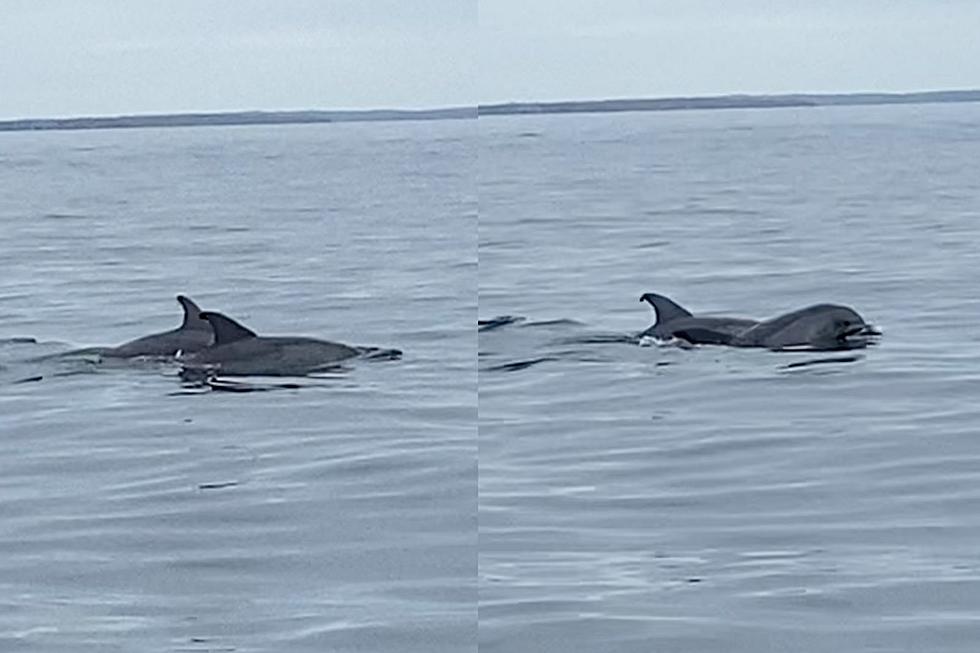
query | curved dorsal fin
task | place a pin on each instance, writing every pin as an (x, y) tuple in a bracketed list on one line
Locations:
[(192, 314), (666, 309), (226, 330)]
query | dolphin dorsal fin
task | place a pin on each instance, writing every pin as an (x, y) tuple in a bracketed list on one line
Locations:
[(192, 315), (226, 330), (666, 309)]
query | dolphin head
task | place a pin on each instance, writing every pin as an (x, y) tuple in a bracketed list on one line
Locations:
[(836, 327)]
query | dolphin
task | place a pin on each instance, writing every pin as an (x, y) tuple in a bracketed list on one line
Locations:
[(238, 351), (192, 335), (817, 327)]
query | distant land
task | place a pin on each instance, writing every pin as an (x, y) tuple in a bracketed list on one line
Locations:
[(729, 102), (233, 118), (512, 108)]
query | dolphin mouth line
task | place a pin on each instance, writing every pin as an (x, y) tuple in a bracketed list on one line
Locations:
[(862, 331)]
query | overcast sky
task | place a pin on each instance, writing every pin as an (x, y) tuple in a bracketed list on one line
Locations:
[(583, 49), (98, 57), (104, 57)]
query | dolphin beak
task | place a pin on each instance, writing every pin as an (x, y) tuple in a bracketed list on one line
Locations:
[(861, 330), (859, 335)]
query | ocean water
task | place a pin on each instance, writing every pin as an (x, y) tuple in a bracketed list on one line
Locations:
[(654, 498), (632, 496), (140, 515)]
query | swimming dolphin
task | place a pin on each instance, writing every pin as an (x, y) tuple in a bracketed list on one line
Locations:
[(819, 327), (192, 335), (238, 351)]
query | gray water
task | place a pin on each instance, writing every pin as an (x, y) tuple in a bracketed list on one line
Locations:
[(632, 498), (709, 499), (139, 515)]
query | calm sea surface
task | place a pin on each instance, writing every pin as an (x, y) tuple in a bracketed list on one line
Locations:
[(632, 498), (658, 499), (340, 516)]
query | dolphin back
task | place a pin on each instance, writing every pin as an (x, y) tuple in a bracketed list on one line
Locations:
[(192, 335)]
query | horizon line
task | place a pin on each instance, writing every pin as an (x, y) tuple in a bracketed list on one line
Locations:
[(741, 100)]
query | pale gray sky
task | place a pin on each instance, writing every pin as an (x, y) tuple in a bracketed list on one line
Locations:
[(590, 49), (105, 57), (99, 57)]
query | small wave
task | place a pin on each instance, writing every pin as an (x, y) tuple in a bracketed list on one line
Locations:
[(223, 385), (195, 382), (551, 323), (602, 339), (64, 216), (497, 322), (820, 361), (653, 244), (217, 485), (378, 354), (516, 366), (27, 340), (653, 341)]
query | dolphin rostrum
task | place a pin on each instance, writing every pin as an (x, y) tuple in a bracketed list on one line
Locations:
[(818, 327), (238, 351)]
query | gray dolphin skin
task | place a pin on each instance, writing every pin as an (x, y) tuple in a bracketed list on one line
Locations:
[(817, 327), (192, 335), (238, 351)]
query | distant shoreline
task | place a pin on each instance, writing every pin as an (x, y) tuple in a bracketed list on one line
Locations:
[(730, 102), (510, 108), (233, 118)]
